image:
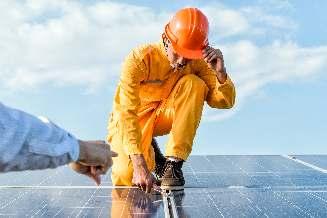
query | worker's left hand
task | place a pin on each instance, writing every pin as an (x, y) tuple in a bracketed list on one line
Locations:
[(214, 58)]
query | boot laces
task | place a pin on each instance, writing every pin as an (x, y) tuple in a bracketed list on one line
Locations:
[(176, 168)]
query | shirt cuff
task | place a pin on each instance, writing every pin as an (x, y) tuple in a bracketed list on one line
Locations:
[(74, 152), (227, 81)]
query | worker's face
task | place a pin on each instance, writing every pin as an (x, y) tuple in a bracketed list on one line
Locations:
[(176, 61)]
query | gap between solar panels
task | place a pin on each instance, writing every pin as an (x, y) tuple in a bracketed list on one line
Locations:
[(305, 163), (61, 187), (170, 208)]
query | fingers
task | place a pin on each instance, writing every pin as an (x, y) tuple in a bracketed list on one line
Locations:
[(113, 154), (145, 185), (95, 173), (210, 54), (106, 147), (79, 168), (95, 177), (214, 58), (109, 163), (142, 187), (93, 170), (148, 187), (206, 52), (102, 169), (96, 153), (149, 183)]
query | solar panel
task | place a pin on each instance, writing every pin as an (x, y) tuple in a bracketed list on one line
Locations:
[(216, 186), (318, 160)]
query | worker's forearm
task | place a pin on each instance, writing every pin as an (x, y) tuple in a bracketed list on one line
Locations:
[(138, 161), (222, 76)]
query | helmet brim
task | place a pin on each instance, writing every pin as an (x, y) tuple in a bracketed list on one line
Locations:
[(188, 53)]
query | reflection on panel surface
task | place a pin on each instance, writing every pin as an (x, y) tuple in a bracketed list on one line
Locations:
[(79, 202), (239, 202), (229, 186), (317, 160)]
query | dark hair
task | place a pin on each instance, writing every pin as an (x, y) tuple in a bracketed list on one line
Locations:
[(165, 41)]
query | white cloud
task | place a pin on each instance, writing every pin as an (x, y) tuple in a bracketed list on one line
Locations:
[(45, 42), (226, 22), (246, 21), (259, 19), (253, 67), (68, 43), (276, 5), (278, 62)]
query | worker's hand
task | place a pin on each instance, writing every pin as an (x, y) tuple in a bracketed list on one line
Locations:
[(90, 171), (95, 158), (142, 177), (215, 60)]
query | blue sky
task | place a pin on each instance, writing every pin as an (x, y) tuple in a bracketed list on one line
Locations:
[(61, 59)]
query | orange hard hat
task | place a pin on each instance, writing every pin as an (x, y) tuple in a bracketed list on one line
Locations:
[(188, 32)]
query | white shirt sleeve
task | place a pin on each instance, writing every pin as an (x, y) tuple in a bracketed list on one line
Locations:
[(28, 142)]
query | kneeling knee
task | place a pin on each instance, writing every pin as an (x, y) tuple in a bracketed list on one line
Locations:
[(194, 83)]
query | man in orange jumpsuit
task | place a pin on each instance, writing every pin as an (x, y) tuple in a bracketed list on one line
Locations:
[(162, 90)]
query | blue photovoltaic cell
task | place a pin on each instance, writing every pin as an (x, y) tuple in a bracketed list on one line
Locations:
[(238, 202), (83, 202), (249, 171), (216, 186)]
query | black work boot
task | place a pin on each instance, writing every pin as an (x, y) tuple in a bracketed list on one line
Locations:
[(172, 176), (159, 159)]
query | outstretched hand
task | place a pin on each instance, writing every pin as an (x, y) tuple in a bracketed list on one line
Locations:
[(94, 160)]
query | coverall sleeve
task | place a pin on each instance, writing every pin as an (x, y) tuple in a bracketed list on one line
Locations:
[(29, 143), (220, 95), (132, 73)]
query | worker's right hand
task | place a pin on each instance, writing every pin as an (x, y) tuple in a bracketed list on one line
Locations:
[(142, 177), (90, 171), (95, 158)]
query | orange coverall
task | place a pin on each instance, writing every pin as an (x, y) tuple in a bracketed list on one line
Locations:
[(153, 99)]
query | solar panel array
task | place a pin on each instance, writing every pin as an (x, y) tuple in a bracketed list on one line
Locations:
[(216, 186)]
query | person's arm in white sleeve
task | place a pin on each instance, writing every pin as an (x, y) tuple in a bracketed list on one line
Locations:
[(30, 143)]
